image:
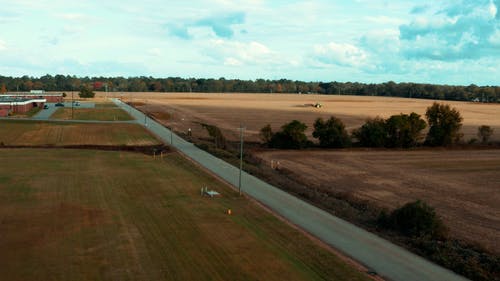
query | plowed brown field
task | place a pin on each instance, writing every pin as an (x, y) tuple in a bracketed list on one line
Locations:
[(463, 186)]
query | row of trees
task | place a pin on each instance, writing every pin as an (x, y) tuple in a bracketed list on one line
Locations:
[(398, 131), (222, 85)]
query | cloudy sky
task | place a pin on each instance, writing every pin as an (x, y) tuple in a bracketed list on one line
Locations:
[(444, 42)]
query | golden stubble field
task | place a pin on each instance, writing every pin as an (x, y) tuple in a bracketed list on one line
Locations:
[(228, 111)]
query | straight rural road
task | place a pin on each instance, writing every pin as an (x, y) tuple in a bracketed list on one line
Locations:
[(386, 259)]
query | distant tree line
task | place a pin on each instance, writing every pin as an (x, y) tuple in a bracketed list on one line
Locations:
[(397, 131), (222, 85)]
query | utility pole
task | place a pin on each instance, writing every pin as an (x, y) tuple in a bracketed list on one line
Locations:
[(145, 111), (171, 128), (72, 104), (241, 156)]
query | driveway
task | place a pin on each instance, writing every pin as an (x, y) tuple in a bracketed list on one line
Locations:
[(388, 260), (45, 114)]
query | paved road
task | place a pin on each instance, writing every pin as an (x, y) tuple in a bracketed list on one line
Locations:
[(45, 114), (388, 260)]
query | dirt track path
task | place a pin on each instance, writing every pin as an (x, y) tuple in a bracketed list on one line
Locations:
[(388, 260)]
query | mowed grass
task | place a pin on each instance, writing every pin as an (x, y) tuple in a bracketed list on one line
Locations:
[(104, 113), (105, 105), (32, 133), (103, 215)]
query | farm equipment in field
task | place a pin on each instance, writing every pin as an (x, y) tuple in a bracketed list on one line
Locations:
[(318, 105)]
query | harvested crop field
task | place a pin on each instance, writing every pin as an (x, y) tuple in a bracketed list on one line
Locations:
[(36, 133), (227, 111), (463, 185), (106, 215)]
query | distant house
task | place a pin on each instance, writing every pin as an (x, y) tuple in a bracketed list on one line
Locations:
[(37, 92), (40, 95), (10, 104), (476, 100)]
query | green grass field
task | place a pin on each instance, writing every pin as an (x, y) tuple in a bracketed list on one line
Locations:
[(105, 105), (101, 113), (95, 215), (28, 133)]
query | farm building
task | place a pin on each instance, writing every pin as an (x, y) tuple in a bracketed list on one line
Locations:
[(37, 94), (10, 105)]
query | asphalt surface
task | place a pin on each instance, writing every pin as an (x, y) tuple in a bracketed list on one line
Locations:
[(379, 255), (45, 114)]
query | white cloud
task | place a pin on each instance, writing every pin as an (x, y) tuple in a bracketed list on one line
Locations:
[(495, 38), (235, 53), (384, 20), (3, 46), (492, 9), (154, 52), (340, 54), (73, 16), (232, 62)]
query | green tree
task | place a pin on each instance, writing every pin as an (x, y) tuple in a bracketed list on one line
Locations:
[(444, 125), (331, 133), (484, 133), (372, 133), (86, 93), (404, 130), (266, 134), (291, 136)]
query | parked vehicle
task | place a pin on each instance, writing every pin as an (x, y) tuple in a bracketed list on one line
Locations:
[(59, 104)]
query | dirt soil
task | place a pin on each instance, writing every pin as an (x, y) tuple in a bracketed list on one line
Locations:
[(462, 185), (254, 111)]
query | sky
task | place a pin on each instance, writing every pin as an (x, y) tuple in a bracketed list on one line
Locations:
[(442, 42)]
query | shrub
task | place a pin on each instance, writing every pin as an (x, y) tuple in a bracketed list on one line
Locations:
[(414, 219), (372, 133), (331, 133), (484, 133), (86, 93), (404, 130), (216, 134), (266, 134), (291, 136)]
